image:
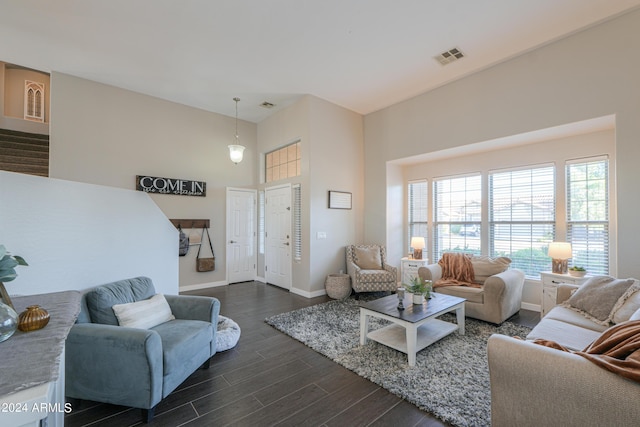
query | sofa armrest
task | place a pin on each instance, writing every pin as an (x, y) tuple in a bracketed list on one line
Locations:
[(352, 270), (193, 307), (100, 358), (503, 295), (533, 385), (564, 291), (431, 272), (391, 269)]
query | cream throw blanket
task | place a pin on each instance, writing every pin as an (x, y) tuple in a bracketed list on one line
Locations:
[(457, 270)]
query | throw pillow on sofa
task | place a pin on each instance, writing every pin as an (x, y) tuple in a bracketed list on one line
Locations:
[(627, 304), (597, 297), (144, 314)]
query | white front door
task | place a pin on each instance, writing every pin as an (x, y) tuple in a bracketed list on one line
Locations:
[(241, 235), (278, 236)]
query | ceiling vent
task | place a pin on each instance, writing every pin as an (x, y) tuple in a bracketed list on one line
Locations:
[(266, 104), (449, 56)]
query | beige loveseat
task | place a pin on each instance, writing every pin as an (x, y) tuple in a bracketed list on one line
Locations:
[(534, 385), (500, 295)]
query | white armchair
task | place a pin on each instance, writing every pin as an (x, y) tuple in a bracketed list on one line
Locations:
[(499, 297)]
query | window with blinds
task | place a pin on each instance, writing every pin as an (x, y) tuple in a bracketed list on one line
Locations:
[(417, 220), (457, 212), (297, 223), (522, 217), (261, 222), (588, 213)]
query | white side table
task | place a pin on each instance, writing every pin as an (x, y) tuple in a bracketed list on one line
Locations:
[(550, 282), (409, 269)]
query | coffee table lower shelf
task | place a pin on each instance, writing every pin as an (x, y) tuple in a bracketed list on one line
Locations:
[(395, 336)]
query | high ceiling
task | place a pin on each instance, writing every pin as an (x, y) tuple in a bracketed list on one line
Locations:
[(361, 54)]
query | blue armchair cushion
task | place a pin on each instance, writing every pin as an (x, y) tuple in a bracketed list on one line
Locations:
[(101, 299)]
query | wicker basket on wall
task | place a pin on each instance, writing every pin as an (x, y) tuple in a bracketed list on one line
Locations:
[(338, 286)]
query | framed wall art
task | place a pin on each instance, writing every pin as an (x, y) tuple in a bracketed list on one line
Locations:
[(339, 200)]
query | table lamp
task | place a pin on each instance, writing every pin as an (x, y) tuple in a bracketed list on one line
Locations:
[(417, 243), (559, 252)]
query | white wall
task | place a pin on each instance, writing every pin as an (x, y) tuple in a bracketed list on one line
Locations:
[(571, 80), (337, 163), (332, 159), (104, 135), (76, 235)]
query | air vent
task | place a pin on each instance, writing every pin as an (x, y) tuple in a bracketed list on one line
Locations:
[(449, 56), (266, 104)]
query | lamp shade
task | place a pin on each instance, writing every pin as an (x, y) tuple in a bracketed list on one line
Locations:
[(236, 153), (417, 242), (560, 250)]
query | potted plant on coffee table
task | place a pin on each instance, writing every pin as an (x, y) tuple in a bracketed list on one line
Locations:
[(420, 288)]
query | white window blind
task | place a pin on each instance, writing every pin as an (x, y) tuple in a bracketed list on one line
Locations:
[(261, 221), (297, 223), (417, 209), (588, 213), (457, 207), (522, 217)]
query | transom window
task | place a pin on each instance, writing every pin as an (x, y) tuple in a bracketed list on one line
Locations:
[(283, 163)]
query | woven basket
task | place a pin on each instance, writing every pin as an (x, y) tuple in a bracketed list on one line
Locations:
[(338, 286)]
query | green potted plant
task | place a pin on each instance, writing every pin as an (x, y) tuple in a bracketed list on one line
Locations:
[(8, 263), (420, 289), (577, 271)]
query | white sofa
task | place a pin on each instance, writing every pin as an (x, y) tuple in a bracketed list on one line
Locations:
[(534, 385)]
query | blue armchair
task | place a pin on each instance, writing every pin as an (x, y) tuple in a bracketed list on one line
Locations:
[(133, 367)]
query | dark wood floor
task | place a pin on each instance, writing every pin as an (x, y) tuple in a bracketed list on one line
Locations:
[(269, 379)]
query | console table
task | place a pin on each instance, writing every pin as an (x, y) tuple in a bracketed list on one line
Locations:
[(32, 364)]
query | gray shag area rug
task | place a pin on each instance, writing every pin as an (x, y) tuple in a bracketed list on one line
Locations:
[(450, 379)]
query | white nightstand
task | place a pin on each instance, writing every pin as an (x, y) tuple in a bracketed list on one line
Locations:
[(550, 282), (409, 269)]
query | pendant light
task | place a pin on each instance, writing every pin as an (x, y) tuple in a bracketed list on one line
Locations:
[(235, 150)]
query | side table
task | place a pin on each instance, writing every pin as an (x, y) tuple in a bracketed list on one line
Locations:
[(550, 282), (409, 269)]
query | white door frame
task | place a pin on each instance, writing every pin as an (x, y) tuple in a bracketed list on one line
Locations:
[(289, 266), (229, 243)]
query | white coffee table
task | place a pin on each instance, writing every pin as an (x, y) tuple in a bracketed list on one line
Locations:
[(413, 328)]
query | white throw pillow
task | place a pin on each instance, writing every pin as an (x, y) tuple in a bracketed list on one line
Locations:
[(144, 314), (628, 304), (636, 315)]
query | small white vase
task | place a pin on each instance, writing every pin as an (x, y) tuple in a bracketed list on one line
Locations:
[(418, 298)]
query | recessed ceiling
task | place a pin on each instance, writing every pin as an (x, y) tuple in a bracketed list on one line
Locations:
[(361, 54)]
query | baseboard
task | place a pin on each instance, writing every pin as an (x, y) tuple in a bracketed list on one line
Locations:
[(203, 286), (529, 306), (307, 294)]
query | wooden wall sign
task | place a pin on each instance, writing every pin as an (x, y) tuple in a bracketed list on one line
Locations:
[(182, 187)]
